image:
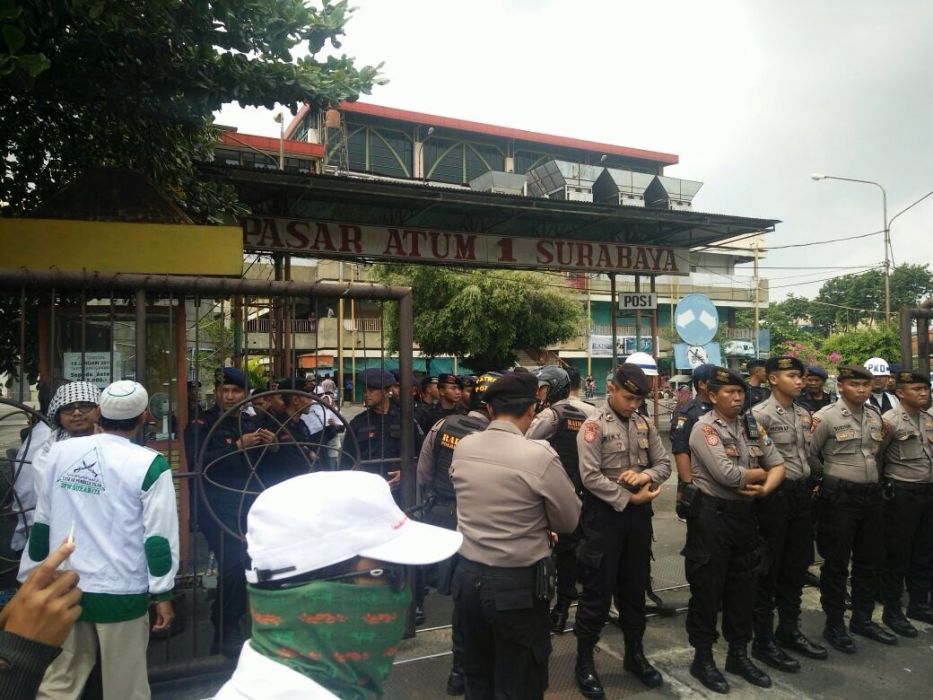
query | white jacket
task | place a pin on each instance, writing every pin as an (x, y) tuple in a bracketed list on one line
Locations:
[(260, 678)]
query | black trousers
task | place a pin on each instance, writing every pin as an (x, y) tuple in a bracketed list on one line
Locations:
[(850, 526), (565, 561), (785, 522), (444, 514), (722, 563), (229, 605), (908, 537), (614, 559), (506, 632)]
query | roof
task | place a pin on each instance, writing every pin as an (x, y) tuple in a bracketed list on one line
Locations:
[(492, 130), (271, 143)]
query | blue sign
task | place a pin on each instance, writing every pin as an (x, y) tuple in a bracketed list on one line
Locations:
[(696, 319), (692, 356)]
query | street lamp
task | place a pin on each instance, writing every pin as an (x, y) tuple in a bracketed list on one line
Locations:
[(887, 235), (280, 120)]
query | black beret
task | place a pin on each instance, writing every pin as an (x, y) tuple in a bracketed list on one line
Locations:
[(236, 376), (513, 386), (906, 376), (446, 378), (292, 384), (777, 364), (752, 364), (854, 372), (894, 368), (467, 380), (376, 378), (720, 376), (427, 381), (631, 378), (817, 372), (702, 373)]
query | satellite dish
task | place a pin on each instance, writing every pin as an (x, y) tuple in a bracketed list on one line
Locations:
[(158, 405)]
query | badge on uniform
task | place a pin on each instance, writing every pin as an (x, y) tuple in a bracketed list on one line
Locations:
[(590, 430), (814, 422), (845, 434), (876, 434), (712, 437), (681, 421), (730, 450)]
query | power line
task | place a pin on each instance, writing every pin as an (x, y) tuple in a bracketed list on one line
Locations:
[(831, 240)]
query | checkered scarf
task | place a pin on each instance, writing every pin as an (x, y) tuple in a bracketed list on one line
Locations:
[(68, 394)]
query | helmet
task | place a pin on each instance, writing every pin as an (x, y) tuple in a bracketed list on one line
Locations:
[(478, 395), (645, 361), (878, 366), (557, 380)]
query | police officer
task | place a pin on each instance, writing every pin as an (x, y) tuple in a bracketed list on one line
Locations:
[(907, 456), (576, 382), (511, 492), (467, 382), (377, 432), (813, 398), (682, 422), (230, 485), (785, 521), (441, 503), (850, 521), (449, 392), (757, 383), (282, 413), (733, 463), (558, 422), (622, 464)]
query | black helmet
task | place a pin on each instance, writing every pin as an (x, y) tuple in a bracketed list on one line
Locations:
[(478, 395), (557, 380)]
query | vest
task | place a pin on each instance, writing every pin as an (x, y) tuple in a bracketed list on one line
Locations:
[(569, 421), (456, 426)]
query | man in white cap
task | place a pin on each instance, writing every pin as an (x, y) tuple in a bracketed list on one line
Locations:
[(116, 500), (326, 593), (879, 397)]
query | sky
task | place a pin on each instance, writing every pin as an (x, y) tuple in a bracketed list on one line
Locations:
[(753, 96)]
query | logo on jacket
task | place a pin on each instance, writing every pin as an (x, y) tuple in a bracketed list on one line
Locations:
[(84, 475)]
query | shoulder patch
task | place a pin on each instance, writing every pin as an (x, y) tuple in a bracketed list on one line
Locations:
[(712, 437), (590, 430), (814, 422), (679, 423)]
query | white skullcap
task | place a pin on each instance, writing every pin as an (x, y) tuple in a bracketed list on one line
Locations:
[(122, 400)]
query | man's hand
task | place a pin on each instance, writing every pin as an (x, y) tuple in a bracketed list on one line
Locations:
[(46, 607), (395, 478), (753, 490), (165, 613), (646, 493), (633, 478), (266, 436), (248, 440)]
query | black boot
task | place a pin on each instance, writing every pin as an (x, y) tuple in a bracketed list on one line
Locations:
[(767, 651), (585, 671), (789, 636), (704, 670), (894, 618), (456, 681), (863, 625), (922, 612), (636, 663), (559, 618), (835, 633), (737, 662)]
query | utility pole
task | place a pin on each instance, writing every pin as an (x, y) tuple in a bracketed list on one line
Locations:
[(756, 245)]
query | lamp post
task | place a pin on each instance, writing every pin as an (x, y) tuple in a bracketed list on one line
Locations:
[(280, 120), (887, 235)]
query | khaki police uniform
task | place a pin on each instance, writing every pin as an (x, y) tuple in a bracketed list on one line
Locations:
[(614, 556), (723, 554), (850, 521), (908, 509)]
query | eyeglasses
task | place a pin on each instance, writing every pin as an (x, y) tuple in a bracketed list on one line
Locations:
[(81, 407), (394, 575)]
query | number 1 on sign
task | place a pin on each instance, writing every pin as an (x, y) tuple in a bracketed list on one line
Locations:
[(505, 250)]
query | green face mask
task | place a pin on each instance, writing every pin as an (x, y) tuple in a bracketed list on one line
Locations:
[(341, 635)]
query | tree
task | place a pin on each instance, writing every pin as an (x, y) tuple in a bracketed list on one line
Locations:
[(134, 83), (480, 316), (856, 346)]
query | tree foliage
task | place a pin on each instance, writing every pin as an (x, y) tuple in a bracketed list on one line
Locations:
[(856, 346), (481, 316), (134, 83)]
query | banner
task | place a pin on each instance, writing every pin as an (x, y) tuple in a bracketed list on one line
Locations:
[(97, 368), (601, 345)]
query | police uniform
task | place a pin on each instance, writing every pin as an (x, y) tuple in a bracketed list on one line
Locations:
[(559, 425), (510, 492), (755, 394), (615, 554), (723, 554), (785, 521), (907, 457), (850, 519)]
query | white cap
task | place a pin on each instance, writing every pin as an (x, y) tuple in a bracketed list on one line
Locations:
[(122, 400), (645, 361), (316, 520), (878, 366)]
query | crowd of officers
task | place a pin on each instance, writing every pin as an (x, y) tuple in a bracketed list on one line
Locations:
[(554, 495)]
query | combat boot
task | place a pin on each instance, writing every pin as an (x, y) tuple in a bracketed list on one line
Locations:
[(863, 625), (894, 618), (922, 612), (737, 662), (585, 672), (559, 616), (789, 636), (636, 663), (704, 670), (456, 681), (767, 651)]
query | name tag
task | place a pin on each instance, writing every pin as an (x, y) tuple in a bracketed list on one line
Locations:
[(755, 451), (843, 434), (731, 450), (875, 434)]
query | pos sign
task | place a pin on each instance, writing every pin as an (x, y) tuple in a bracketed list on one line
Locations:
[(633, 301)]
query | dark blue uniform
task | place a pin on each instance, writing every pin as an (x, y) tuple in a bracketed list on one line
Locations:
[(682, 423)]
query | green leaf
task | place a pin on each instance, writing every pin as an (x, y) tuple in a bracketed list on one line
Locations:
[(14, 37), (33, 64)]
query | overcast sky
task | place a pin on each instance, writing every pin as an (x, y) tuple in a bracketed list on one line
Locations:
[(753, 95)]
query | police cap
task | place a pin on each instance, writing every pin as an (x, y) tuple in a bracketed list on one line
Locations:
[(631, 378), (467, 380), (779, 364), (483, 382), (817, 372), (906, 376), (292, 384), (752, 364), (720, 376), (446, 378), (235, 376), (701, 373), (376, 378), (513, 386), (854, 372), (427, 381)]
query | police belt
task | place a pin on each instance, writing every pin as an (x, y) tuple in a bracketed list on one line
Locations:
[(516, 573), (725, 505), (804, 483), (832, 483), (913, 486)]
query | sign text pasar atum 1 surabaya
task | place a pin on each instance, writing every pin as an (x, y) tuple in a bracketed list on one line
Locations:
[(329, 239)]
